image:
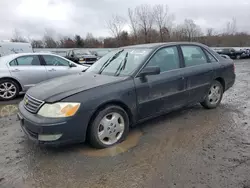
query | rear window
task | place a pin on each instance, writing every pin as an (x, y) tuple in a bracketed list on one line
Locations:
[(13, 63), (211, 58), (32, 60)]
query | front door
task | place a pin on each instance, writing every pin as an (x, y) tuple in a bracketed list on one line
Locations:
[(57, 66), (28, 70), (160, 93)]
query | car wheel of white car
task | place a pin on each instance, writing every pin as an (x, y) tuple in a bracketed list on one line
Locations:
[(110, 126), (8, 89)]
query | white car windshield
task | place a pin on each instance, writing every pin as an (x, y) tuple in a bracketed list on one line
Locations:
[(122, 62)]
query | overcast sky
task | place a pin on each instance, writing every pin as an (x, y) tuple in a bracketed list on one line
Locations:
[(69, 17)]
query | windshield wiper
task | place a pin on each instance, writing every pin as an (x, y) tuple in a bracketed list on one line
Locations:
[(122, 65), (110, 60)]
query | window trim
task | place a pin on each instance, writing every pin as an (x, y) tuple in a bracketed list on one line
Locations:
[(194, 46), (154, 52), (206, 51), (25, 65), (12, 61)]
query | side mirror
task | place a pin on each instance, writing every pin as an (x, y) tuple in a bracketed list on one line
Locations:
[(152, 70), (71, 65)]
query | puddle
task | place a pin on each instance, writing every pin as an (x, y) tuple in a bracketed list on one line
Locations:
[(130, 142), (8, 110)]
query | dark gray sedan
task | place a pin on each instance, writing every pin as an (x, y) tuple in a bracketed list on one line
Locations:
[(127, 86)]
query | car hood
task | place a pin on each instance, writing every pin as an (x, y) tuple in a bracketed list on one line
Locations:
[(59, 88)]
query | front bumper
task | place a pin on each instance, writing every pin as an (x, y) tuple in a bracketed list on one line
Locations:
[(87, 62), (71, 130)]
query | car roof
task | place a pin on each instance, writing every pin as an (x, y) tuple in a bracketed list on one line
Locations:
[(157, 45), (12, 56)]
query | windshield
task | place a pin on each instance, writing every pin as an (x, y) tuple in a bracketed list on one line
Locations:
[(82, 52), (121, 62)]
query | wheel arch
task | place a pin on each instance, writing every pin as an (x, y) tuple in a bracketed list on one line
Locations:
[(108, 103), (15, 80), (222, 81)]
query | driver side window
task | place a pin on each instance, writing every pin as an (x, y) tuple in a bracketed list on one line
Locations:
[(55, 61), (165, 58)]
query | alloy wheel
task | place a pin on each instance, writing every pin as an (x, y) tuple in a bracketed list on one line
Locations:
[(214, 94), (111, 128), (7, 90)]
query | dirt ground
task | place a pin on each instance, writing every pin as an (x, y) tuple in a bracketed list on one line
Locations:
[(192, 147)]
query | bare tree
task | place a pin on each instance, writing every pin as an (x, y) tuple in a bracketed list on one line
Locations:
[(163, 19), (191, 30), (37, 43), (178, 33), (91, 41), (133, 23), (116, 25), (231, 27), (145, 20), (48, 39), (17, 36), (210, 32)]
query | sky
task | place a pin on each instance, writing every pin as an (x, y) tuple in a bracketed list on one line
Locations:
[(69, 17)]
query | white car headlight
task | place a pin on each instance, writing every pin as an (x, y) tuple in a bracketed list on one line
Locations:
[(60, 109)]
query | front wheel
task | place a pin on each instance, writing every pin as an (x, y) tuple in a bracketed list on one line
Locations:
[(8, 89), (109, 127), (214, 96)]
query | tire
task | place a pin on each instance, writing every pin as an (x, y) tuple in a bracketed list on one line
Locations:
[(12, 92), (109, 127), (214, 95)]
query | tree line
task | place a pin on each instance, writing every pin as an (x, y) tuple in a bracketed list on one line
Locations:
[(147, 24)]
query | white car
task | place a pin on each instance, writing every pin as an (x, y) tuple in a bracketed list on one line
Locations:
[(19, 72)]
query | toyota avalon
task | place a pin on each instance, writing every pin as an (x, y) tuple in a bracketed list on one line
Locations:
[(126, 86)]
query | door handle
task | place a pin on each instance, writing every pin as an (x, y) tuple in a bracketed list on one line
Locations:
[(52, 69), (15, 70)]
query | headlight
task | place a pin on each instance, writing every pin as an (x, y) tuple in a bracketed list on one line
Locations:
[(60, 109)]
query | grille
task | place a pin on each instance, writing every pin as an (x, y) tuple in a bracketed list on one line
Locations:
[(90, 59), (32, 104)]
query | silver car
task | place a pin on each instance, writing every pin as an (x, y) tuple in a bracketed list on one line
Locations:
[(19, 72)]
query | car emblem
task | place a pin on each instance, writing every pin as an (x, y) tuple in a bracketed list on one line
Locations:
[(26, 101)]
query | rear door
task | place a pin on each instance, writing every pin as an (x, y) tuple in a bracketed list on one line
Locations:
[(57, 66), (28, 70), (165, 91), (198, 72)]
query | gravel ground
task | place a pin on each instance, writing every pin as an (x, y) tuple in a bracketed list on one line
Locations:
[(192, 147)]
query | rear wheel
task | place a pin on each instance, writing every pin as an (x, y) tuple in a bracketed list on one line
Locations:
[(214, 96), (8, 89), (109, 127), (238, 57)]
